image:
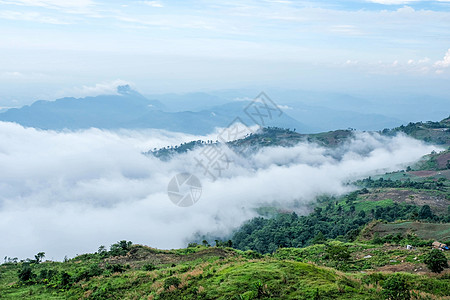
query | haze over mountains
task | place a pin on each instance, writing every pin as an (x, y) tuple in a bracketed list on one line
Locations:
[(200, 113)]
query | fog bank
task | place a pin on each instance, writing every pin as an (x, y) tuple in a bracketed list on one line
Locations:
[(66, 193)]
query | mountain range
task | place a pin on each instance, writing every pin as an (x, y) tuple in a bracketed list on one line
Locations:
[(194, 113)]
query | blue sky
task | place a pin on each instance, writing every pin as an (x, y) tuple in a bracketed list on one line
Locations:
[(52, 48)]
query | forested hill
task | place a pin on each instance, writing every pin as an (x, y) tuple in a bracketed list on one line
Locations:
[(432, 132)]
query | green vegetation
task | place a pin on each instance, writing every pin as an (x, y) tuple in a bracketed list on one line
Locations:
[(432, 132), (436, 261), (396, 287), (389, 183), (224, 273), (269, 136), (340, 219)]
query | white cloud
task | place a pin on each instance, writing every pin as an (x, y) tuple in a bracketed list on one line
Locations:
[(15, 75), (392, 2), (30, 16), (152, 3), (103, 88), (11, 75), (285, 107), (68, 192), (72, 4), (346, 29), (444, 63)]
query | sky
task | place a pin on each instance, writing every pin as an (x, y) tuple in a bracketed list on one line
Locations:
[(50, 48)]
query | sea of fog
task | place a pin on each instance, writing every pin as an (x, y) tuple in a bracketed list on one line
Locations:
[(66, 193)]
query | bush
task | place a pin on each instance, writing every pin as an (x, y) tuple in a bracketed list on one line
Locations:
[(117, 268), (436, 261), (175, 281), (252, 254), (46, 274), (339, 255), (26, 274), (93, 270), (396, 287), (65, 279), (148, 267)]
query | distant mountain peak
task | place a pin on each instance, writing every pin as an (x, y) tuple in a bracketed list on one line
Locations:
[(125, 89)]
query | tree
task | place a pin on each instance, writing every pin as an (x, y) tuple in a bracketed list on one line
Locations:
[(396, 287), (436, 261), (317, 210), (425, 212), (120, 248), (39, 257), (352, 209), (319, 238)]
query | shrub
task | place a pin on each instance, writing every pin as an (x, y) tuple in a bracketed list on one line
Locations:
[(436, 261), (339, 255), (252, 254), (148, 267), (116, 268), (46, 274), (93, 270), (396, 287), (175, 281), (26, 274), (64, 280)]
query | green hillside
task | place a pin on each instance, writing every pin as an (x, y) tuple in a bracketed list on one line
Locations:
[(432, 132), (200, 272), (426, 231)]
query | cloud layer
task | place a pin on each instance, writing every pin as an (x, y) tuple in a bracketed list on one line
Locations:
[(69, 192)]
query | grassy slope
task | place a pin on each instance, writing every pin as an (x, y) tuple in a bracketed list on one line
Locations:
[(426, 231), (204, 273), (208, 277)]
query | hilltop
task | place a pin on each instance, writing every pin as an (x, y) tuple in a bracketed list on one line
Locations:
[(429, 132), (432, 132), (264, 137)]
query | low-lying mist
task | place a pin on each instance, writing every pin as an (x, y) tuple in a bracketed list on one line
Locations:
[(67, 193)]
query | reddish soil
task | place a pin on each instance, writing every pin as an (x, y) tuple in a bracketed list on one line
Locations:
[(423, 173), (442, 160), (405, 267)]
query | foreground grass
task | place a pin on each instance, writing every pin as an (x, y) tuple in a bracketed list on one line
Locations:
[(208, 273)]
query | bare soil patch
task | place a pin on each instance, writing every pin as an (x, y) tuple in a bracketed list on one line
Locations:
[(436, 201)]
